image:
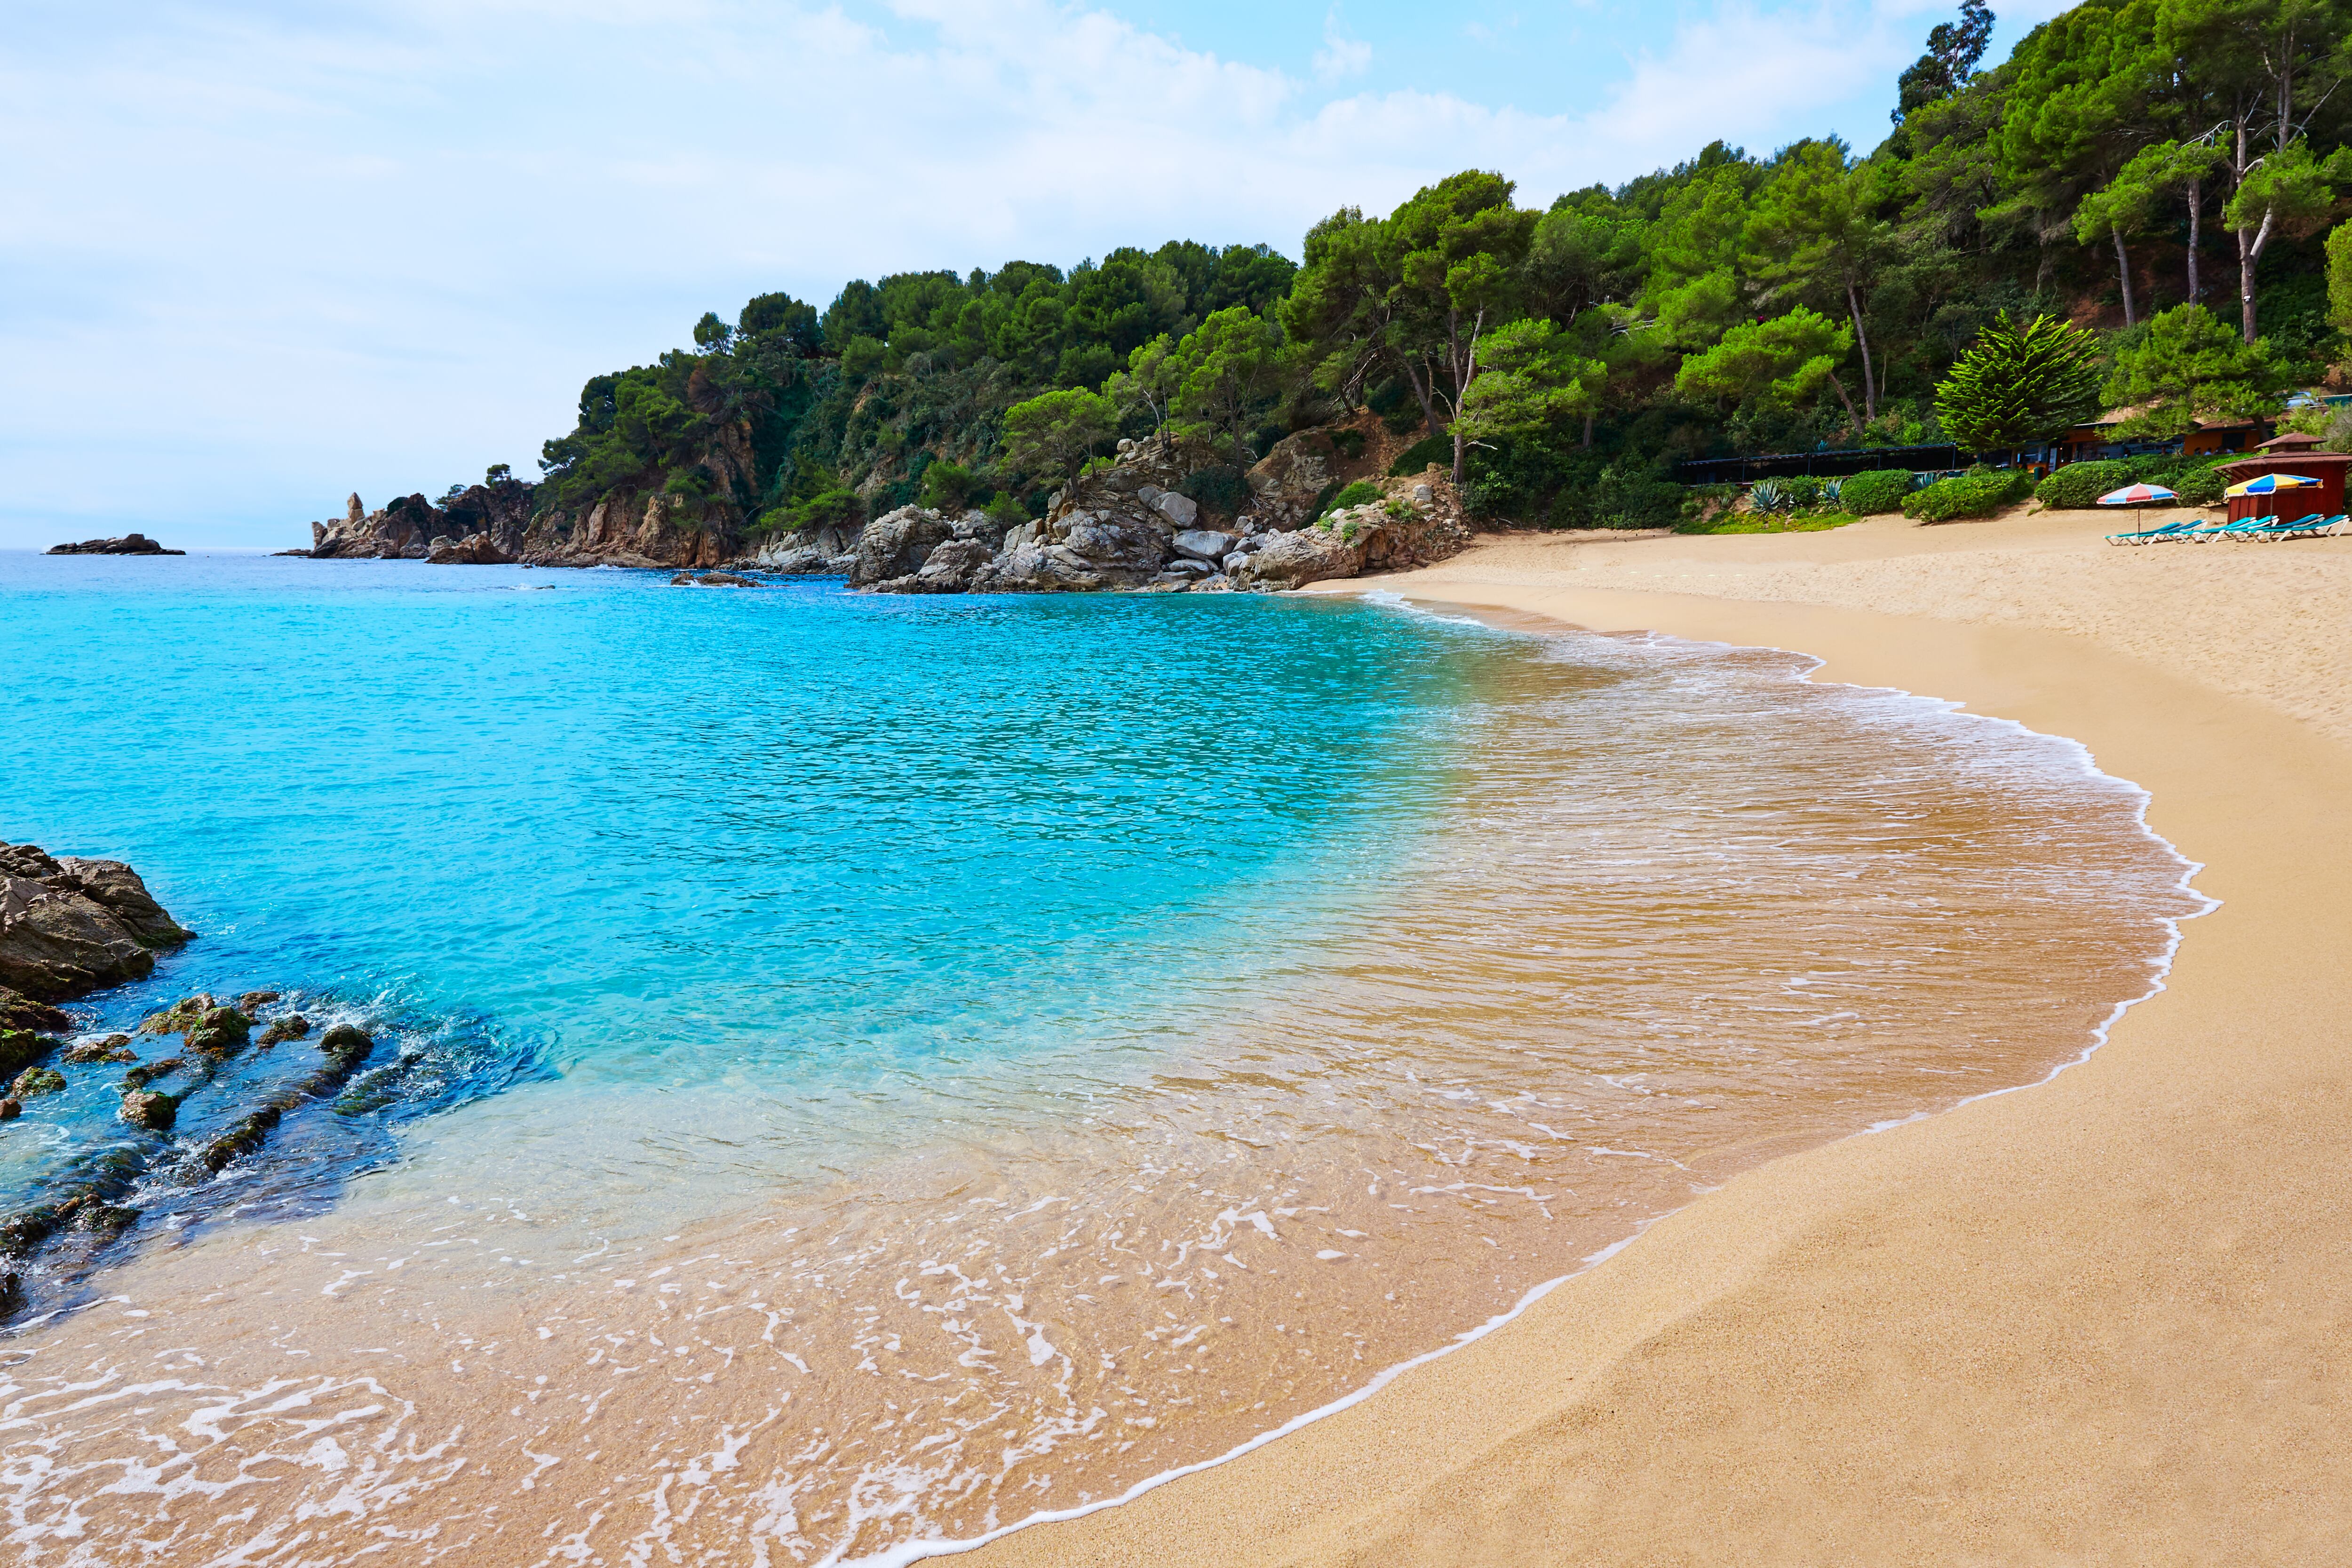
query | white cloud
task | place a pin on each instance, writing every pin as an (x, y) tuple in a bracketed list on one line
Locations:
[(1340, 55), (260, 256)]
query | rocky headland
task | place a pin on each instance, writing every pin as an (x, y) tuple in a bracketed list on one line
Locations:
[(129, 545), (1127, 526), (70, 927)]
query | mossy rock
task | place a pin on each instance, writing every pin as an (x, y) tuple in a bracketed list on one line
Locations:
[(151, 1109), (34, 1083), (221, 1031), (20, 1048), (346, 1046), (293, 1026)]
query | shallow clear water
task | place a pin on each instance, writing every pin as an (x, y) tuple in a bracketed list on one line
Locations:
[(877, 1068)]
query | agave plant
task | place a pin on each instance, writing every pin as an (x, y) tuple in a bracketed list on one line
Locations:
[(1832, 490), (1770, 495)]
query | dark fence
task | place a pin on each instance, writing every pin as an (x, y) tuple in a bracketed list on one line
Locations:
[(1782, 465)]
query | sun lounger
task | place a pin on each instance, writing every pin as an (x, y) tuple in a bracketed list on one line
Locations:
[(2245, 528), (2151, 535), (2312, 527)]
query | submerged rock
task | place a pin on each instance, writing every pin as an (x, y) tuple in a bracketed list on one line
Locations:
[(254, 1001), (293, 1026), (113, 1048)]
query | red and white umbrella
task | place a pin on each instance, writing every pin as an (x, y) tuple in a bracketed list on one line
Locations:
[(2137, 495)]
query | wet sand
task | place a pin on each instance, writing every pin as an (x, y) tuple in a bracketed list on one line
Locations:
[(2098, 1321)]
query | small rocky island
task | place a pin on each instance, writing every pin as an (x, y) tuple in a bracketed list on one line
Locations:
[(69, 927), (129, 545)]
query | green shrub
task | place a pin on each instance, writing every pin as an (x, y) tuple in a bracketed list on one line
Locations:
[(947, 486), (1356, 494), (1349, 444), (1969, 495), (2080, 485), (2077, 486), (1219, 486), (1877, 490), (1438, 449)]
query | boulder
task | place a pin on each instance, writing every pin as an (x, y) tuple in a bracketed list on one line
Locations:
[(1294, 559), (951, 569), (222, 1031), (11, 1109), (57, 942), (254, 1001), (897, 546), (113, 1048), (129, 545), (807, 561), (151, 1109), (22, 1012), (117, 887), (293, 1026), (34, 1083), (713, 580), (1179, 510), (346, 1046), (474, 549), (1205, 544)]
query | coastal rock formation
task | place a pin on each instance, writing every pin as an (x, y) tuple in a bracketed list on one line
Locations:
[(1407, 529), (713, 580), (1162, 516), (129, 545), (474, 549), (68, 927), (897, 546)]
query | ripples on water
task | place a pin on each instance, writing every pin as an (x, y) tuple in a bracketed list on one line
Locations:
[(1000, 1050)]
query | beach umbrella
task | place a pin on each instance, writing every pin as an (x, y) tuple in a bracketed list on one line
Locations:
[(2270, 484), (2137, 496)]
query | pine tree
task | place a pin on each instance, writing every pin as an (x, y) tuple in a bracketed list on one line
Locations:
[(2016, 386)]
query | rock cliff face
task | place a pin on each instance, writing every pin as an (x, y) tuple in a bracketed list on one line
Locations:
[(68, 927), (493, 525)]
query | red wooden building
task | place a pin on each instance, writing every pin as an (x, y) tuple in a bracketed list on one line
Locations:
[(2291, 454)]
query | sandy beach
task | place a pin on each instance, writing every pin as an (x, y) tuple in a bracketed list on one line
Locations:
[(2098, 1321)]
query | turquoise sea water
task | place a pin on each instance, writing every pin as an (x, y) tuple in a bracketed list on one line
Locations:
[(802, 843), (857, 1070)]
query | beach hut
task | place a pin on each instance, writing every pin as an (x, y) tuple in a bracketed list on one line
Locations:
[(2327, 497)]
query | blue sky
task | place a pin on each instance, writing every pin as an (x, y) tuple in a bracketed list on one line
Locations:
[(259, 256)]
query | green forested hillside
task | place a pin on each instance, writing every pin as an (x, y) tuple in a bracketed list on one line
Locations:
[(2163, 171)]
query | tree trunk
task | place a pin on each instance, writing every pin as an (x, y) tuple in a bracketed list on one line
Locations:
[(1862, 337), (2123, 271), (2195, 220), (1588, 432), (1423, 392), (1848, 400), (1460, 448)]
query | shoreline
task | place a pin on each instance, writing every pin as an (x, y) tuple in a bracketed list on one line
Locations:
[(1571, 1433)]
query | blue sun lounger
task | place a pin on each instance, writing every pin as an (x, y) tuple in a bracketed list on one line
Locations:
[(2312, 527), (2154, 535), (2245, 528)]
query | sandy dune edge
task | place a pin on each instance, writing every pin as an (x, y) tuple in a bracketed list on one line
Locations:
[(2103, 1320)]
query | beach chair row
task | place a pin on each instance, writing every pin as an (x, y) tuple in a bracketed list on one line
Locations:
[(2312, 527)]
